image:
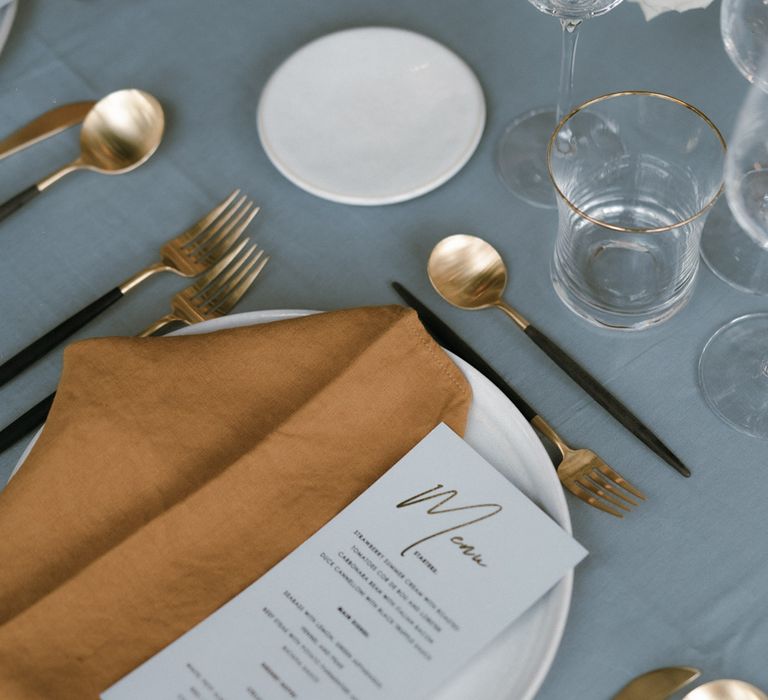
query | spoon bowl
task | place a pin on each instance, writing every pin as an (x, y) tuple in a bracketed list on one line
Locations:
[(121, 131), (726, 689), (467, 272)]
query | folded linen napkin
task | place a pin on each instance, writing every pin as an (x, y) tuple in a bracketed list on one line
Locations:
[(174, 471)]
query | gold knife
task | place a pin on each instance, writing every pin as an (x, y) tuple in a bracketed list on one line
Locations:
[(48, 124), (658, 684)]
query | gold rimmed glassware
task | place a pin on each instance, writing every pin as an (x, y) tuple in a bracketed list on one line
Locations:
[(635, 173)]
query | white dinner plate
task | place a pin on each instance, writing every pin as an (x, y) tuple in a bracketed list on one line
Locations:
[(7, 14), (373, 115), (514, 665)]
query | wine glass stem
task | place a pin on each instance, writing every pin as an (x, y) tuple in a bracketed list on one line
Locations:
[(567, 63)]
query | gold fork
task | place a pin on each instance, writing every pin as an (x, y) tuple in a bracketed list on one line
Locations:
[(588, 477), (201, 245), (212, 296), (215, 293), (188, 255)]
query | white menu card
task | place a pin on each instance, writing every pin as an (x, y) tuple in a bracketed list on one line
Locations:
[(386, 601)]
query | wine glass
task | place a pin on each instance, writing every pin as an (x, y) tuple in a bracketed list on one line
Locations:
[(744, 28), (733, 369), (521, 153), (729, 251)]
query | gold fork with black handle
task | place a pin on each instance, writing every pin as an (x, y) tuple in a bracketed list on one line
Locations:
[(187, 255), (211, 296), (580, 471)]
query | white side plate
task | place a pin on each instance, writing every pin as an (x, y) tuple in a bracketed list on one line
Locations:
[(373, 115)]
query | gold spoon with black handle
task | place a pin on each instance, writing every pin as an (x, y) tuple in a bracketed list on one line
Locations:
[(119, 133), (469, 273)]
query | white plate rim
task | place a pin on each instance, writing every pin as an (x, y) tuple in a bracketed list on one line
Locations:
[(7, 15), (356, 200), (560, 595)]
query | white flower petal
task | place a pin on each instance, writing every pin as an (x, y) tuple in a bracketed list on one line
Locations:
[(652, 8)]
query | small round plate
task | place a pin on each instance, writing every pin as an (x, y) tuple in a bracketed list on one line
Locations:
[(372, 115)]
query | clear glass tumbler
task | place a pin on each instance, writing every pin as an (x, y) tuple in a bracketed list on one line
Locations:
[(635, 173)]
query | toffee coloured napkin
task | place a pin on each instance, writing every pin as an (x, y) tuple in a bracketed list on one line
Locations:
[(173, 472)]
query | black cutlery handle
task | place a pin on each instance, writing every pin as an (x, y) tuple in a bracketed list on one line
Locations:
[(25, 423), (18, 201), (518, 401), (604, 397), (452, 341), (44, 344)]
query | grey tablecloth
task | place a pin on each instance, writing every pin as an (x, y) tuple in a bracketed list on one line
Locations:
[(684, 579)]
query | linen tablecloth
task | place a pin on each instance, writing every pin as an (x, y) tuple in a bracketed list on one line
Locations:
[(684, 578)]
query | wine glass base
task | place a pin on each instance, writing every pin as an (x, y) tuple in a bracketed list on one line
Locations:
[(732, 254), (521, 157), (733, 374)]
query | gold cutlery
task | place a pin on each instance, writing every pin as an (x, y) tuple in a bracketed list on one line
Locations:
[(119, 133), (469, 273), (188, 254), (48, 124), (658, 684), (582, 472), (588, 477), (726, 689), (213, 295)]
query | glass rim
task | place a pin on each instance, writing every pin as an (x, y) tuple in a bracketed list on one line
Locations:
[(634, 93)]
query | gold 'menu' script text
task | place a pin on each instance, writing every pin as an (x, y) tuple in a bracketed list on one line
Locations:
[(490, 509)]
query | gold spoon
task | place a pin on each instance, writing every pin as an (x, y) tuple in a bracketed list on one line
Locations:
[(119, 133), (469, 273), (726, 689)]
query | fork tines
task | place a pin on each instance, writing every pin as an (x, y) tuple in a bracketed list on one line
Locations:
[(218, 290), (602, 486), (215, 233)]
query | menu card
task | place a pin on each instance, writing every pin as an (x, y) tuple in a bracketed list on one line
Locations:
[(386, 601)]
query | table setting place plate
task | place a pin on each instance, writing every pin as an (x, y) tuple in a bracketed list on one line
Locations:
[(515, 664), (7, 15), (372, 115)]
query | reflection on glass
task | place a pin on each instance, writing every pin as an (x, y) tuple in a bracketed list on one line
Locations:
[(520, 156), (730, 251)]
